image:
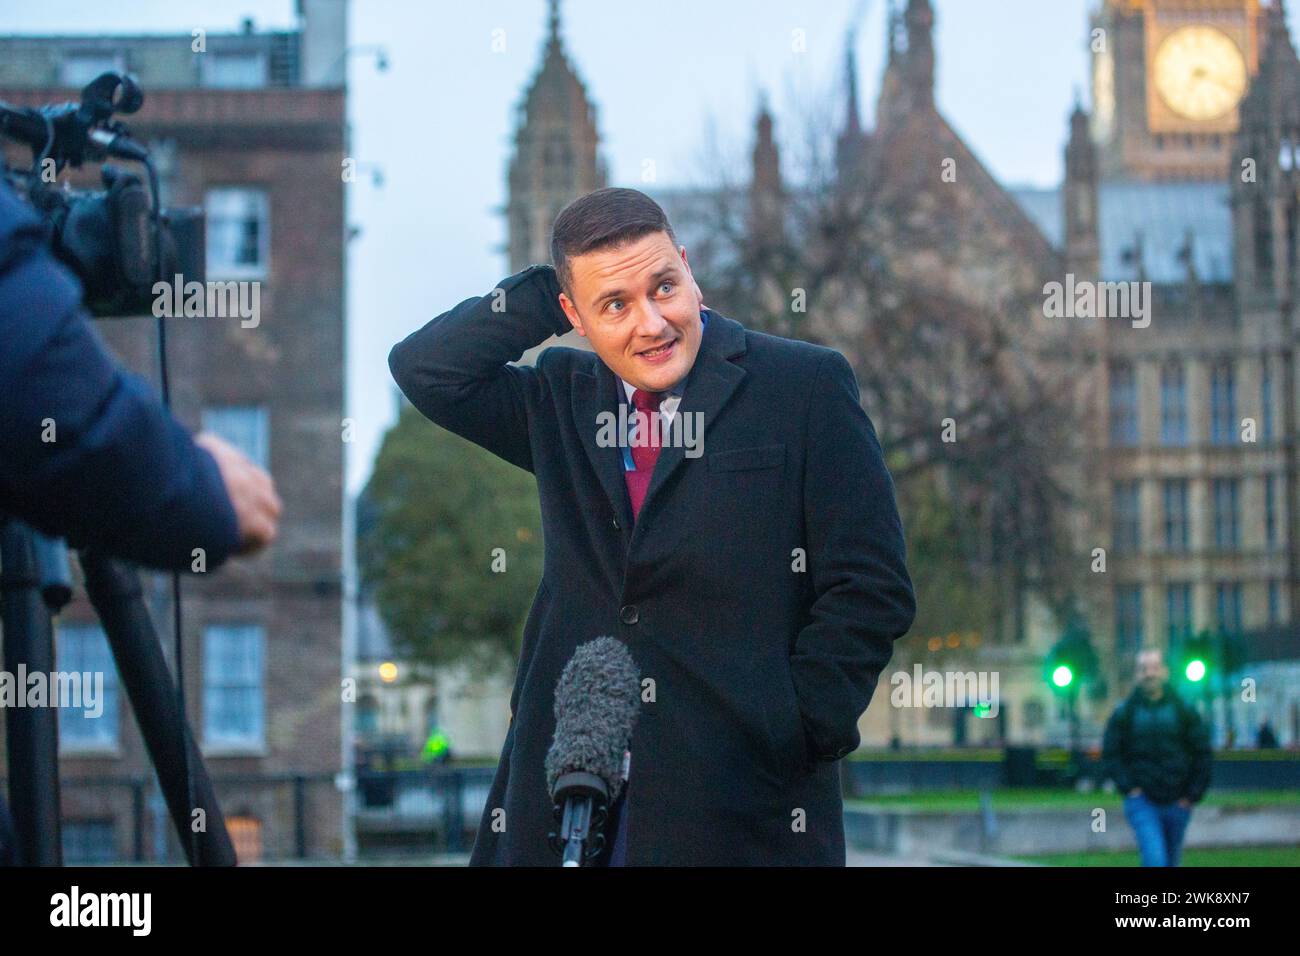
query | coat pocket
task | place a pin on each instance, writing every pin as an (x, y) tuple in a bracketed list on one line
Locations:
[(785, 725), (747, 459)]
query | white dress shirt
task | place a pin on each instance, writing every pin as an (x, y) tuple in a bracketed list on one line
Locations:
[(667, 407)]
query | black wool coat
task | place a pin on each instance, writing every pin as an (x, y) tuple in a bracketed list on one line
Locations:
[(759, 591)]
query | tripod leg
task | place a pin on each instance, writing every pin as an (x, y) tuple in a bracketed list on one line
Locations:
[(32, 733), (114, 590)]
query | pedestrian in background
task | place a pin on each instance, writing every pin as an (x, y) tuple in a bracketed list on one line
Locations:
[(1157, 750)]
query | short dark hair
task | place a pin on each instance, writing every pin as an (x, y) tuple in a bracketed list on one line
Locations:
[(602, 219)]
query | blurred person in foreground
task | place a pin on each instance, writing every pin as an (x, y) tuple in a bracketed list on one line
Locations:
[(1157, 750), (755, 573), (86, 451)]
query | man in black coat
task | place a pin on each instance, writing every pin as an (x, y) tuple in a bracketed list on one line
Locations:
[(1157, 750), (754, 566)]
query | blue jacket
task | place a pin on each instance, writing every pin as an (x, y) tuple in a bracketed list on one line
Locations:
[(121, 473)]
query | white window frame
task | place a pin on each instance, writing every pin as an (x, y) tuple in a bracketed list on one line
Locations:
[(216, 418), (116, 63), (107, 739), (211, 76), (215, 742), (261, 201)]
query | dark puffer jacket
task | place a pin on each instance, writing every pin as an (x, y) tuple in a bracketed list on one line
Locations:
[(1161, 746)]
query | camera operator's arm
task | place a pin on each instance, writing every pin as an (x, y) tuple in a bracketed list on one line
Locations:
[(88, 452), (455, 369)]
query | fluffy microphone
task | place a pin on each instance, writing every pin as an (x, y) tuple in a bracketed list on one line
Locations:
[(596, 703)]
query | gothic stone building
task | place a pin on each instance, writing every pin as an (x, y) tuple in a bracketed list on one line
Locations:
[(1184, 177), (1196, 513)]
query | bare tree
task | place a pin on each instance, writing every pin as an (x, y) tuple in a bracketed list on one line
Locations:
[(975, 401)]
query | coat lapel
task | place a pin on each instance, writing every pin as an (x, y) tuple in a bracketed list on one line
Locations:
[(709, 386), (593, 393)]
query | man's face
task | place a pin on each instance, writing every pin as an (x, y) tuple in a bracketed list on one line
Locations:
[(1152, 672), (633, 300)]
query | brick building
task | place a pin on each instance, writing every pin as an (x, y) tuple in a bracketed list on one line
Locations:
[(250, 126)]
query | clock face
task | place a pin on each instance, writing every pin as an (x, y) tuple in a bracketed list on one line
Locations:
[(1199, 73)]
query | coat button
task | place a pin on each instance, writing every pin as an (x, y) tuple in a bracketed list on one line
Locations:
[(629, 614), (615, 522)]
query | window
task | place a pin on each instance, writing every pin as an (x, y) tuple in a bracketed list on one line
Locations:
[(1127, 517), (1266, 403), (1270, 511), (247, 427), (1274, 603), (1128, 618), (238, 233), (367, 715), (1227, 602), (1173, 405), (233, 71), (233, 700), (1178, 612), (1123, 405), (88, 841), (78, 69), (1035, 713), (1177, 532), (1225, 513), (1223, 404), (83, 649)]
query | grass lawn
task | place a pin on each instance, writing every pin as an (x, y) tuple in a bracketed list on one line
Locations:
[(1192, 856), (949, 801)]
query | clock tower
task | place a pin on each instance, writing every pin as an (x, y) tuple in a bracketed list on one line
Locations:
[(1168, 77)]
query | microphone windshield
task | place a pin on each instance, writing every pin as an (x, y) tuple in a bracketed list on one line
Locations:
[(596, 702)]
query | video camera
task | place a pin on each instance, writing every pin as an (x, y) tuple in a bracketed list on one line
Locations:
[(118, 241)]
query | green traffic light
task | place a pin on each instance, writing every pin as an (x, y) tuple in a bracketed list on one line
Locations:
[(1062, 676), (1195, 670)]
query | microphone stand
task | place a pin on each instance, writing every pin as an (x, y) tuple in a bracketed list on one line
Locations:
[(581, 802)]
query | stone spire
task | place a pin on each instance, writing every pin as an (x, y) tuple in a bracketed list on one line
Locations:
[(1082, 253), (556, 151), (766, 204), (908, 83), (852, 141), (919, 73), (1265, 174)]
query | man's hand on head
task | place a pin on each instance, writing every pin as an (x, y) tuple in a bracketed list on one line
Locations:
[(251, 490), (550, 283)]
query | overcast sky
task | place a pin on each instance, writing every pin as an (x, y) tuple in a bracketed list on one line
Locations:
[(439, 120)]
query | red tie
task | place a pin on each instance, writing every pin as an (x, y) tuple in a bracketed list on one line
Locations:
[(645, 450)]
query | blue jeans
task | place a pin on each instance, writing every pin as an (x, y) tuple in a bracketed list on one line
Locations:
[(1159, 829)]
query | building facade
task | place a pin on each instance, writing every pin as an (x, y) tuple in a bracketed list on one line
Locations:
[(1182, 176), (251, 127), (1185, 179)]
